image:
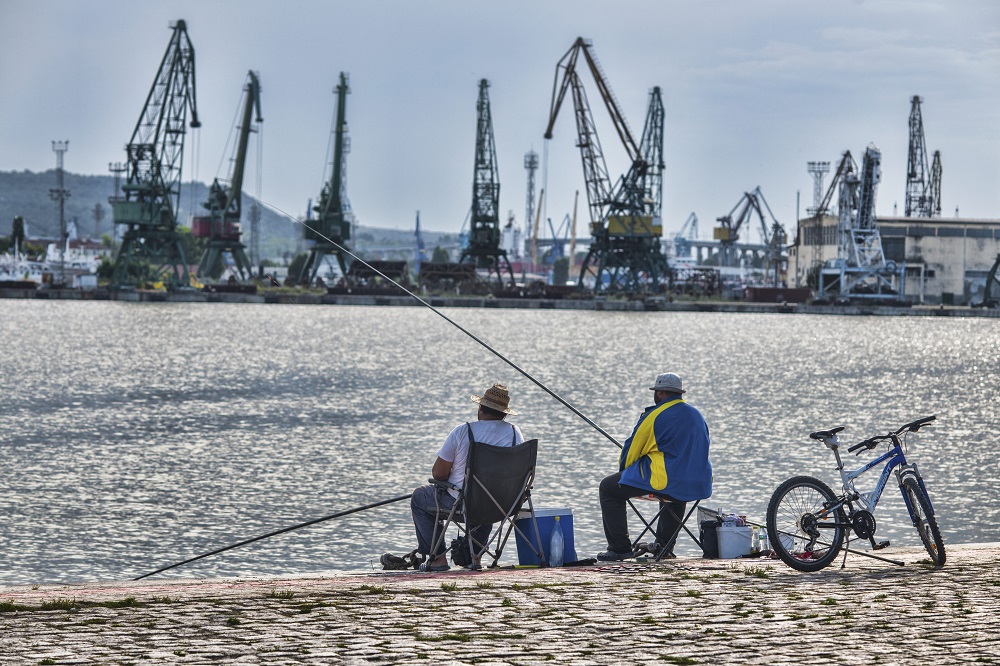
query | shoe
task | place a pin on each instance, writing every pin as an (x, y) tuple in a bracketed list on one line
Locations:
[(655, 551), (613, 556), (392, 562), (427, 566)]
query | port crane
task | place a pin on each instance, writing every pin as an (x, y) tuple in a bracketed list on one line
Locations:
[(222, 226), (625, 253), (923, 183), (331, 230), (483, 247), (683, 238), (772, 233), (860, 271), (151, 248)]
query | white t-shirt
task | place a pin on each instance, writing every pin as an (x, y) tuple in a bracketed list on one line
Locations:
[(456, 446)]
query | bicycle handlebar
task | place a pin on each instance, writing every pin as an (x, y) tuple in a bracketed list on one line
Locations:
[(912, 426), (916, 425)]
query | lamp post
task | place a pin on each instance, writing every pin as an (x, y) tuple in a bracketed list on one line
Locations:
[(60, 194)]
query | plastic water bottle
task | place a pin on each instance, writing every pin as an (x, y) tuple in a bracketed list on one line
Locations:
[(765, 546), (556, 544)]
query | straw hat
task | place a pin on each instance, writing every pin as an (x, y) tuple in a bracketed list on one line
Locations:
[(495, 397)]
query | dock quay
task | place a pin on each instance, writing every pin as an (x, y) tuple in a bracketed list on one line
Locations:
[(648, 304), (683, 611)]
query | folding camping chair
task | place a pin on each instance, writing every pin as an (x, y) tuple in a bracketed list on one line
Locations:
[(498, 482), (666, 504)]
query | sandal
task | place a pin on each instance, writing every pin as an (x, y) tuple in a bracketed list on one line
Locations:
[(392, 562)]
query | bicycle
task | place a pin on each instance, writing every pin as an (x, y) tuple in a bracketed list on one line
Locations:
[(808, 524)]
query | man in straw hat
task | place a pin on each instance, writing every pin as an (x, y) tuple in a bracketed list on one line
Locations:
[(427, 501), (666, 455)]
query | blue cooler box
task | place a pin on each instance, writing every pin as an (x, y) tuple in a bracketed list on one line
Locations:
[(546, 519)]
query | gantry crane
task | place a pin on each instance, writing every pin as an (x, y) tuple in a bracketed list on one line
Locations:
[(151, 248), (861, 271), (483, 248), (222, 226), (625, 252), (331, 230), (923, 184)]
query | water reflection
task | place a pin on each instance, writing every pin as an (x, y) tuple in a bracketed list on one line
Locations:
[(136, 435)]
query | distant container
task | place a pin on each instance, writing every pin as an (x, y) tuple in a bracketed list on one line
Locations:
[(86, 281), (546, 519), (734, 541), (777, 294)]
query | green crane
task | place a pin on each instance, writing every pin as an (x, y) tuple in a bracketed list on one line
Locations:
[(332, 229), (222, 227), (484, 230), (152, 249)]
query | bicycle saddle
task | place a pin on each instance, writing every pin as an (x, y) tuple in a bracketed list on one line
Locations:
[(824, 434)]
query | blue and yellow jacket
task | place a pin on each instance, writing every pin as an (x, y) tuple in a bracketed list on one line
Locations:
[(667, 452)]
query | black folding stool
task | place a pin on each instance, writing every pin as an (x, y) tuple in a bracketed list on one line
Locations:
[(665, 505)]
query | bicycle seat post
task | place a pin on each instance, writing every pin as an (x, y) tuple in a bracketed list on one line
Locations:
[(833, 443)]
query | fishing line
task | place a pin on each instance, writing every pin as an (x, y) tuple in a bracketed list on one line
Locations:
[(277, 532), (403, 497), (459, 327)]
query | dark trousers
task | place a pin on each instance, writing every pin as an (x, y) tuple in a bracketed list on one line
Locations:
[(614, 515)]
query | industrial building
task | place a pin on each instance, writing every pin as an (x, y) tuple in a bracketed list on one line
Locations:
[(946, 259)]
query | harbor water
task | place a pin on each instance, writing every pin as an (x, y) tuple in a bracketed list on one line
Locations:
[(136, 435)]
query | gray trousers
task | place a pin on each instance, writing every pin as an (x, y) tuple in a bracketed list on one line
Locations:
[(425, 504)]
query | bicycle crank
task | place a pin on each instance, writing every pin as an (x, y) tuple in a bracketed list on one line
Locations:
[(863, 523)]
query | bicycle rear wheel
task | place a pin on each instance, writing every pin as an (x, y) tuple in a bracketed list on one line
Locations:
[(920, 513), (802, 533)]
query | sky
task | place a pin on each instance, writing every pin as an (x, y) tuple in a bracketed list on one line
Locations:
[(752, 90)]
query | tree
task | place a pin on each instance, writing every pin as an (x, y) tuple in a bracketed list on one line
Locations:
[(17, 232), (295, 267), (560, 271), (440, 255), (98, 216)]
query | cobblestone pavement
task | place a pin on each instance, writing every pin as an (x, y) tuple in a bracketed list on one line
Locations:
[(686, 611)]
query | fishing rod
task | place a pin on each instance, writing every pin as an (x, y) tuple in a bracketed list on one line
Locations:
[(277, 532), (459, 327), (396, 499)]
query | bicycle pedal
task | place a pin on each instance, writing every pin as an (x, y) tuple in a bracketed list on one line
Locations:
[(880, 545)]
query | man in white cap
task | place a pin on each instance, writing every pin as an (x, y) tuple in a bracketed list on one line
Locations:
[(428, 501), (666, 455)]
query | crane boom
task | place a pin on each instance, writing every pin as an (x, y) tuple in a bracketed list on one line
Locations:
[(225, 202), (234, 200)]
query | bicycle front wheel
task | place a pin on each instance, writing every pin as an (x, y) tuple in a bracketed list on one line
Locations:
[(920, 513), (803, 531)]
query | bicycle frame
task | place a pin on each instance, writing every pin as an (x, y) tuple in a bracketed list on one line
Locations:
[(894, 459)]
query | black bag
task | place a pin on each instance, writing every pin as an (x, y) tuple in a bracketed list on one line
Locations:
[(460, 551), (709, 538)]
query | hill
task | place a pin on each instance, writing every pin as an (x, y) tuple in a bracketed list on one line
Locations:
[(26, 193)]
